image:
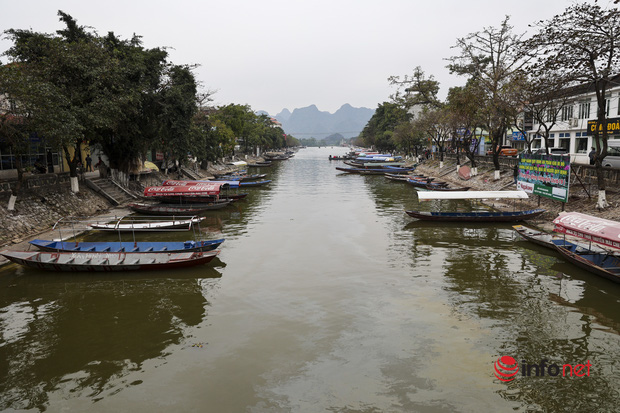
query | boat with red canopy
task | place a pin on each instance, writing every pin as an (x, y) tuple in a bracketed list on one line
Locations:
[(196, 188), (599, 230)]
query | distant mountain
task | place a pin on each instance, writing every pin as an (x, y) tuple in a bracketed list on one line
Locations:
[(311, 122), (284, 115)]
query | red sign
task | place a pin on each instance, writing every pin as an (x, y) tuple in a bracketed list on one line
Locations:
[(602, 231), (211, 188)]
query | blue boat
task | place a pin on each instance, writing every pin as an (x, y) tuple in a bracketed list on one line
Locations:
[(95, 246), (376, 171), (604, 264), (594, 229)]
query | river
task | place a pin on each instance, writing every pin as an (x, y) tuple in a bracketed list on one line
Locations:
[(326, 297)]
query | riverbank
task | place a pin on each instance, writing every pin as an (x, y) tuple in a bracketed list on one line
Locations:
[(579, 201), (38, 209)]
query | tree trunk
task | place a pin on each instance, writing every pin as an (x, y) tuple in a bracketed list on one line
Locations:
[(18, 185), (600, 181), (73, 170), (496, 164)]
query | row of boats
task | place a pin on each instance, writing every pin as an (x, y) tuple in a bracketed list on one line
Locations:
[(179, 204), (427, 188), (603, 260)]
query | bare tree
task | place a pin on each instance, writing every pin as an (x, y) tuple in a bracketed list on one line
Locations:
[(581, 46), (491, 58)]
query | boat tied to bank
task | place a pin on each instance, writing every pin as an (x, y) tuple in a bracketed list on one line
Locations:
[(474, 216), (594, 229), (106, 262)]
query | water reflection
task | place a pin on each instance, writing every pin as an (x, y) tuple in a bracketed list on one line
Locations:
[(536, 306), (76, 332)]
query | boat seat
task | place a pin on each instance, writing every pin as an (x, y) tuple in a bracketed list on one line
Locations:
[(137, 260), (106, 249), (164, 249), (135, 249), (53, 259), (90, 249), (87, 261), (122, 249), (70, 260), (148, 249)]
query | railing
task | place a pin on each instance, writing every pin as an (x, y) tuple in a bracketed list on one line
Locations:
[(586, 172)]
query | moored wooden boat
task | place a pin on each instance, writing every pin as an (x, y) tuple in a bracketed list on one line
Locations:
[(604, 264), (177, 209), (198, 199), (97, 261), (438, 187), (425, 183), (594, 229), (141, 246), (476, 216), (139, 225), (545, 239), (537, 237)]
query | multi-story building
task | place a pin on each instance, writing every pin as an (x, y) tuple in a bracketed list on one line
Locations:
[(571, 130)]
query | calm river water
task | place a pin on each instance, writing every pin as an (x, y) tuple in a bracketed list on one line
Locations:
[(326, 297)]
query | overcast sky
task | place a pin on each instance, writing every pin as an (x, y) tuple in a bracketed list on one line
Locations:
[(275, 54)]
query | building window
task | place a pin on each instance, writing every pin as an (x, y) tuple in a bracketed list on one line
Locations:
[(567, 113), (607, 105), (584, 110), (550, 115), (581, 143)]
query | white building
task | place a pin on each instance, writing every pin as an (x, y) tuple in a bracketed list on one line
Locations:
[(571, 129)]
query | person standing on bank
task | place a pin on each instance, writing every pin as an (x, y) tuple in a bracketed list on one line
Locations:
[(50, 162), (89, 163), (515, 173), (592, 156)]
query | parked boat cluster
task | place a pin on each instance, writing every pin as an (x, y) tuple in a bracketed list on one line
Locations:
[(604, 262), (175, 205)]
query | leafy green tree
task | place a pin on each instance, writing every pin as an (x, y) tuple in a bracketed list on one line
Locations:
[(134, 102), (76, 72), (409, 139), (177, 99), (385, 119)]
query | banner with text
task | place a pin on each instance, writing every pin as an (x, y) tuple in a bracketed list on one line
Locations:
[(544, 175)]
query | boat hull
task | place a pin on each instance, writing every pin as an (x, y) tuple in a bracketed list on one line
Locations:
[(143, 247), (602, 264), (181, 224), (177, 210), (482, 216), (107, 262)]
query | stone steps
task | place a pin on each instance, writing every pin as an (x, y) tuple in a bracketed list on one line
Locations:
[(191, 174), (110, 190)]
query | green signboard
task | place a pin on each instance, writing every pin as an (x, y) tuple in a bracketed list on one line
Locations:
[(544, 175)]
